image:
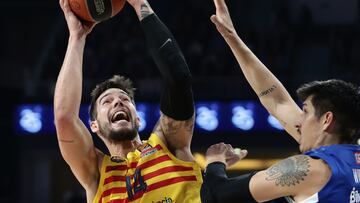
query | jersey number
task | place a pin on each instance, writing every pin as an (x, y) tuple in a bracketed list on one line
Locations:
[(139, 184)]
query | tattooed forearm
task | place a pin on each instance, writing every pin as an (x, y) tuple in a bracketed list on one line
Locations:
[(268, 91), (145, 10), (290, 171)]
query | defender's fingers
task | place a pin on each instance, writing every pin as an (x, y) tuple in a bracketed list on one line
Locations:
[(214, 19), (219, 3)]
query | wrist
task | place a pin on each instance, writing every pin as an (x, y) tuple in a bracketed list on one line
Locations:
[(142, 9), (215, 168), (73, 38), (136, 4), (231, 36), (214, 159)]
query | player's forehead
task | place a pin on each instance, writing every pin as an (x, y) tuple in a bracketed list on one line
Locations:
[(112, 92)]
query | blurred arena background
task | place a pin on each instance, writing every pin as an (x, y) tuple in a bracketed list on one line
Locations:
[(299, 40)]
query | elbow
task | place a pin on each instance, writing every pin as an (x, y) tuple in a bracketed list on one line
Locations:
[(62, 122), (63, 118)]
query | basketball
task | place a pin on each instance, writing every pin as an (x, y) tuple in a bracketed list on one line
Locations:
[(96, 10)]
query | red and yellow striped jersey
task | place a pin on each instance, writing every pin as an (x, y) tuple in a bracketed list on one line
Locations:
[(151, 175)]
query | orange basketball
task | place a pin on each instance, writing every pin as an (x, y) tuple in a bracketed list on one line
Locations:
[(96, 10)]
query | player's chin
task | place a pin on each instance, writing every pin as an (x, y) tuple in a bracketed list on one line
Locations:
[(121, 128), (123, 134)]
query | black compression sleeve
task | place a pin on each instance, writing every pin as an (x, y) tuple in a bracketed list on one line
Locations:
[(177, 98), (218, 188)]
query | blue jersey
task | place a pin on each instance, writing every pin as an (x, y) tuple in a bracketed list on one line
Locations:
[(344, 183)]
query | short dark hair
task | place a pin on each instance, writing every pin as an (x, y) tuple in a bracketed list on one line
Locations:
[(341, 98), (116, 81)]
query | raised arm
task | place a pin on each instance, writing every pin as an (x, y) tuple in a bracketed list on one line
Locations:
[(269, 89), (74, 139), (175, 126)]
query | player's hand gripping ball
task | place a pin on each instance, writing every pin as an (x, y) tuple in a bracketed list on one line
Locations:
[(96, 10)]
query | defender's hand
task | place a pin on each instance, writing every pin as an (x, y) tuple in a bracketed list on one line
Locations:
[(222, 19), (224, 153), (76, 27)]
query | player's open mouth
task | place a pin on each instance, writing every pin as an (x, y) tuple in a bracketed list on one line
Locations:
[(119, 116)]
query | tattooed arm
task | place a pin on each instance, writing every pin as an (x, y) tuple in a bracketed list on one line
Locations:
[(176, 135), (299, 177), (269, 89), (142, 8)]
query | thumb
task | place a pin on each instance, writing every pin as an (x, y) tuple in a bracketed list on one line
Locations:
[(214, 19), (65, 6), (89, 24)]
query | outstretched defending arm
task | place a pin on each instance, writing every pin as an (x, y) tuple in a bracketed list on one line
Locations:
[(217, 187), (269, 89), (298, 176), (74, 139), (177, 105)]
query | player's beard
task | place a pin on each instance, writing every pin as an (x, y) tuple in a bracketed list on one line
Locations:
[(120, 134)]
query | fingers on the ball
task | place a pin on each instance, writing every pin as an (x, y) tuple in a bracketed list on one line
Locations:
[(61, 2), (65, 3), (65, 6)]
